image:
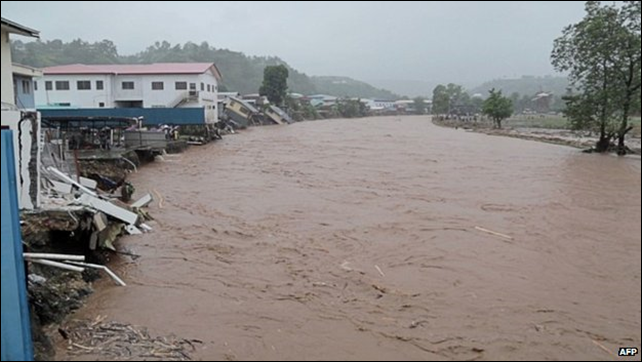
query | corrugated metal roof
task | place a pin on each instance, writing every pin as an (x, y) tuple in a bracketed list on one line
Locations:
[(134, 69)]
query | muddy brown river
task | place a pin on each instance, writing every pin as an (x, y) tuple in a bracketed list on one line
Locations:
[(386, 239)]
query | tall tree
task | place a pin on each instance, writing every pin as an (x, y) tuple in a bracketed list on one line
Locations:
[(440, 100), (476, 104), (420, 105), (630, 56), (601, 53), (275, 84), (449, 99), (498, 107)]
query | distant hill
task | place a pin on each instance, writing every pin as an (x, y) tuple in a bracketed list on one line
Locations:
[(347, 87), (525, 86), (241, 73), (408, 88)]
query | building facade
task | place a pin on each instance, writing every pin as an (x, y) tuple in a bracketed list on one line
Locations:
[(24, 86), (188, 85), (9, 27), (24, 124)]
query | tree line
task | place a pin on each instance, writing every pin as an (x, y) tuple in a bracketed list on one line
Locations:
[(601, 54), (241, 73)]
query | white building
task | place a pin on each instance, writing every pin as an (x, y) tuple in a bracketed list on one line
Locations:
[(9, 27), (185, 85), (25, 125)]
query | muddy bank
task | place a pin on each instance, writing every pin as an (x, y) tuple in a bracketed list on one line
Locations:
[(552, 136), (362, 240)]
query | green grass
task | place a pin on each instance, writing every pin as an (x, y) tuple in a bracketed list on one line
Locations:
[(536, 121), (554, 122)]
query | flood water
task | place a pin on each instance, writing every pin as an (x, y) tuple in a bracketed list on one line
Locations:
[(360, 240)]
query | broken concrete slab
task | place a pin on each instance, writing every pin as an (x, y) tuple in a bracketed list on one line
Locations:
[(107, 237), (100, 221), (61, 187), (93, 240), (108, 208), (88, 183), (133, 230), (146, 228), (69, 180), (143, 201)]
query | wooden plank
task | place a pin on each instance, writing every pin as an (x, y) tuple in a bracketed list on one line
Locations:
[(493, 233)]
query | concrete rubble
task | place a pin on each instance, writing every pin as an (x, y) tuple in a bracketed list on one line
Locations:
[(78, 221)]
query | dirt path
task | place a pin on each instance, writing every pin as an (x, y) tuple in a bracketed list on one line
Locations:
[(357, 240)]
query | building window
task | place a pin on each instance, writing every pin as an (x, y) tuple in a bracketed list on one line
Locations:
[(158, 86), (101, 105), (100, 85), (26, 87), (83, 85), (48, 85), (62, 85), (35, 86), (128, 86), (209, 88), (181, 85), (202, 87)]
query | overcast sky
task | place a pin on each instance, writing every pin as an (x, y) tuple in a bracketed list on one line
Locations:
[(461, 41)]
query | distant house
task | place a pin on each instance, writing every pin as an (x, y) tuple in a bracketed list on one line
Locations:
[(542, 102), (256, 99), (386, 105), (148, 86), (24, 85), (243, 113), (408, 106), (277, 115), (224, 96), (321, 100), (224, 101)]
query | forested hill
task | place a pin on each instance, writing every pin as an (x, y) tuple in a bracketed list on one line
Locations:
[(241, 73)]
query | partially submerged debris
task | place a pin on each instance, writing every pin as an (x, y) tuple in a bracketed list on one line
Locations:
[(59, 265), (118, 341), (143, 201), (111, 274), (493, 233), (74, 263), (380, 271), (108, 208)]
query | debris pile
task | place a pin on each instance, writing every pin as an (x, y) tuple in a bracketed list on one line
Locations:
[(69, 239), (117, 341)]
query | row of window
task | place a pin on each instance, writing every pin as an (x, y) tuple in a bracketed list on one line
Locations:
[(82, 85), (63, 85)]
